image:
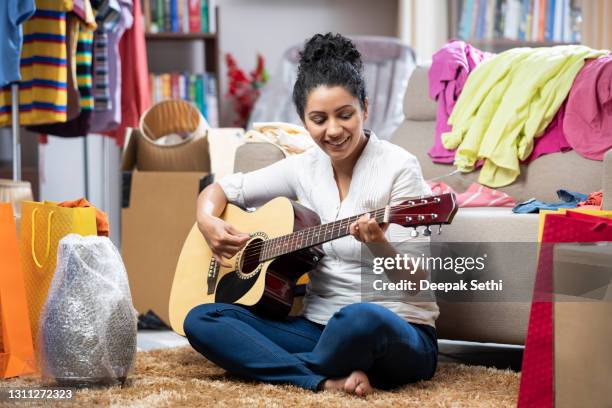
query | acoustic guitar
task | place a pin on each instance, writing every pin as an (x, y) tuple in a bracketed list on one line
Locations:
[(285, 243)]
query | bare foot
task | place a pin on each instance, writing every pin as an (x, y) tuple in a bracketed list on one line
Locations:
[(357, 383)]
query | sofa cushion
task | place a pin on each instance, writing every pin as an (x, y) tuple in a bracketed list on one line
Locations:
[(490, 224), (417, 105)]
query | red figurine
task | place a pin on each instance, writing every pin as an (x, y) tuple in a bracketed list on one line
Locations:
[(244, 90)]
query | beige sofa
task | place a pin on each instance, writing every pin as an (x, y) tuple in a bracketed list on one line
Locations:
[(498, 322)]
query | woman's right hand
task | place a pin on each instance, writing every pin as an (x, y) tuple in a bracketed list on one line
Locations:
[(223, 239)]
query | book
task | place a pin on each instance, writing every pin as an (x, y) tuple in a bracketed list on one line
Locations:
[(212, 10), (174, 19), (212, 102), (204, 16), (175, 93), (550, 19), (512, 20), (465, 24), (490, 20), (185, 26), (165, 15), (199, 95), (557, 21), (195, 16), (542, 20), (146, 13)]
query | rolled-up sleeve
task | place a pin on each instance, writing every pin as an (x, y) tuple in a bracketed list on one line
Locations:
[(255, 188)]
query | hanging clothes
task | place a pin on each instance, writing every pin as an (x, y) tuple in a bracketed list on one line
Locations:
[(13, 13), (73, 106), (134, 76), (108, 16), (498, 122), (42, 89), (106, 120), (79, 126)]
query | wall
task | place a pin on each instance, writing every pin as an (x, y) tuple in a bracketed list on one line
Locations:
[(272, 26), (423, 25), (62, 170)]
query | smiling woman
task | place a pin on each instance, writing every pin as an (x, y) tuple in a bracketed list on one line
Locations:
[(337, 343)]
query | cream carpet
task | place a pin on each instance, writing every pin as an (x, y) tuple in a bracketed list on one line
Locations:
[(181, 377)]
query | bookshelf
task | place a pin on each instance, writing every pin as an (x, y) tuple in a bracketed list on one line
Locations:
[(498, 25), (186, 53)]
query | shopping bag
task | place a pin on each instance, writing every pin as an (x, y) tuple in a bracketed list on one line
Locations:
[(43, 225), (16, 347), (537, 372)]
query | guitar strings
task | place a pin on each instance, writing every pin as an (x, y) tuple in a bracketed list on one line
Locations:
[(253, 252), (342, 225)]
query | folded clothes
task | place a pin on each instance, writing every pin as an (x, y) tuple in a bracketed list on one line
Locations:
[(290, 138), (569, 199), (476, 195)]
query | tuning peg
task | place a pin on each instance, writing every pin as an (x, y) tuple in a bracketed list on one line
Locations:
[(414, 233), (439, 229), (427, 231)]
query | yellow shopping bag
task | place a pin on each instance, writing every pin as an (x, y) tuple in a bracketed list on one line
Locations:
[(16, 349), (43, 225)]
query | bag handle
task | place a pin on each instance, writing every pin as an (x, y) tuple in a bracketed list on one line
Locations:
[(40, 265)]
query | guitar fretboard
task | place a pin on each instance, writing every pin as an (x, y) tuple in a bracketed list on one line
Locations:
[(312, 236)]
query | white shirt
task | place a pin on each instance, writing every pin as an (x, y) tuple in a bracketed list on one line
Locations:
[(384, 174)]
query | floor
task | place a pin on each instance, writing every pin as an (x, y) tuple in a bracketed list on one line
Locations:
[(488, 354)]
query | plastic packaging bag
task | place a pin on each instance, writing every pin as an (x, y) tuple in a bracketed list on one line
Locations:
[(88, 324)]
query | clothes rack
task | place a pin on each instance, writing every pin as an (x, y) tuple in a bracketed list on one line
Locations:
[(16, 136)]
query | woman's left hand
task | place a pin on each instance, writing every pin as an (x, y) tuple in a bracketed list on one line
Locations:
[(366, 229)]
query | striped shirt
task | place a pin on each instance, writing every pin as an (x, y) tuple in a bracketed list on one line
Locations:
[(42, 90)]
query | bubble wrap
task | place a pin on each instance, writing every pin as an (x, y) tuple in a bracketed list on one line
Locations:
[(88, 324)]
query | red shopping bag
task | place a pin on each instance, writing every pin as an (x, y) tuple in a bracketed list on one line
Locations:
[(536, 388)]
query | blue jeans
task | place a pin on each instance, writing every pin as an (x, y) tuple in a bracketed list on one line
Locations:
[(361, 336)]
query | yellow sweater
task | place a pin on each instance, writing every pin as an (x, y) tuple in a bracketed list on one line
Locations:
[(506, 103)]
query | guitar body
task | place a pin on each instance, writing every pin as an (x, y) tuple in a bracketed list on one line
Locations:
[(266, 286)]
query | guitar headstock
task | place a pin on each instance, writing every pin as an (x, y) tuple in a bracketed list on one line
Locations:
[(427, 210)]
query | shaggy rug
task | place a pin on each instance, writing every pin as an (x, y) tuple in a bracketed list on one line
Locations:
[(183, 378)]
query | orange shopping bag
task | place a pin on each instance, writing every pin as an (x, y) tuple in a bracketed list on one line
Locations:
[(43, 225), (16, 347)]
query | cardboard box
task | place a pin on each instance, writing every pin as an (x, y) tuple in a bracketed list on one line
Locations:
[(158, 210)]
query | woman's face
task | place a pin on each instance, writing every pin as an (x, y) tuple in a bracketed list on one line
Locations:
[(334, 118)]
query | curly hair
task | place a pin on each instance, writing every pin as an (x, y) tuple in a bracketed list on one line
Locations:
[(331, 60)]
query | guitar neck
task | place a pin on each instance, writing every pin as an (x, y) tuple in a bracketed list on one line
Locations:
[(313, 236)]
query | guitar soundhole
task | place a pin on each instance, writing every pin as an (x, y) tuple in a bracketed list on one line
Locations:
[(249, 261)]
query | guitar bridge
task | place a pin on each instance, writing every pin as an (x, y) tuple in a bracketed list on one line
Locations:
[(211, 276)]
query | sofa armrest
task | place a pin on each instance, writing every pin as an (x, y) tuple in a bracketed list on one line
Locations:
[(606, 184)]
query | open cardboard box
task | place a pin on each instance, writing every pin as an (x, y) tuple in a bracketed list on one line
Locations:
[(158, 210)]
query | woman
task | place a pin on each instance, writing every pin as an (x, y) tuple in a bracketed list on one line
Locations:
[(338, 343)]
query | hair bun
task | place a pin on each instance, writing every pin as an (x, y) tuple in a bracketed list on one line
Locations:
[(322, 48)]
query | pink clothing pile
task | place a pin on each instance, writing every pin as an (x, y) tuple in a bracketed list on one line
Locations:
[(583, 122), (588, 117), (476, 195), (448, 73)]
